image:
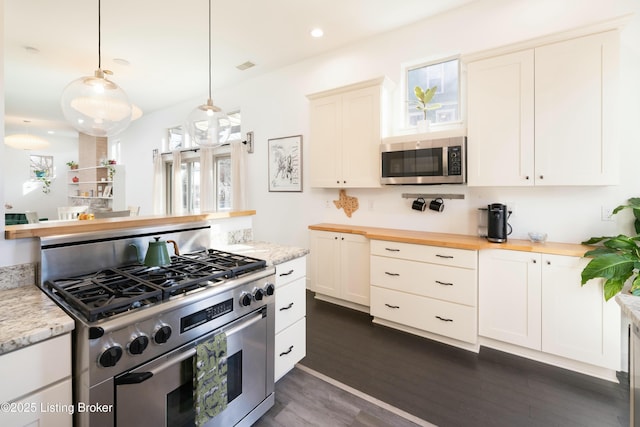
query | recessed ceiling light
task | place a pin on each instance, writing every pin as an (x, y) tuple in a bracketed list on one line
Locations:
[(317, 33), (121, 61), (31, 49), (51, 132)]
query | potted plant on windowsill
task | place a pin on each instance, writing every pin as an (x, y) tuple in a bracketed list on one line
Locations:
[(424, 97), (617, 258)]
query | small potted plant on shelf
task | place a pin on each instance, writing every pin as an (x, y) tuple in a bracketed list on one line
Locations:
[(72, 165), (423, 99), (617, 258)]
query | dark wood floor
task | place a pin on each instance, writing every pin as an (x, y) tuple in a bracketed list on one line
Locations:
[(452, 387)]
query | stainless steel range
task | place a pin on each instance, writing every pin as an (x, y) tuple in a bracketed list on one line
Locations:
[(138, 328)]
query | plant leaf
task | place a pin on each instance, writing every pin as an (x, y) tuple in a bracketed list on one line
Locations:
[(419, 93), (609, 266), (621, 242), (595, 240), (599, 251), (612, 287)]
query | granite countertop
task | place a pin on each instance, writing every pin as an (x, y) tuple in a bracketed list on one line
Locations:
[(27, 316), (630, 306), (272, 253)]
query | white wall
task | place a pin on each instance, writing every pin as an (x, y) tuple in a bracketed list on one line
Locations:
[(26, 195), (275, 105)]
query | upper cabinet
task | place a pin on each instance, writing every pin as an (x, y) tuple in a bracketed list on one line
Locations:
[(545, 116), (347, 125)]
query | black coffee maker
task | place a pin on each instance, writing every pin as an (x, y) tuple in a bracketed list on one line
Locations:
[(497, 225)]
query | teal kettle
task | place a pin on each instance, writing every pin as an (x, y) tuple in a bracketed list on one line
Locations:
[(157, 253)]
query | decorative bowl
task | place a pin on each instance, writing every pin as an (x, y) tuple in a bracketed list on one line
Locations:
[(537, 237)]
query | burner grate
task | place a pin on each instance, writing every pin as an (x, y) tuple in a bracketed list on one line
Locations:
[(105, 293), (116, 290)]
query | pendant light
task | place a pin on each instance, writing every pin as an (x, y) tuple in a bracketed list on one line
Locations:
[(26, 141), (95, 105), (208, 125)]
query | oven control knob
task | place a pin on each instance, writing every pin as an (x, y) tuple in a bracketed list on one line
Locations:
[(138, 344), (110, 356), (269, 289), (245, 299), (258, 294), (162, 334)]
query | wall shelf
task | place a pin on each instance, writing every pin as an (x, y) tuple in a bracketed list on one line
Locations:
[(431, 196)]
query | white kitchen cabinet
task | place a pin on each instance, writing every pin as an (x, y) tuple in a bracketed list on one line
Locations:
[(576, 321), (347, 125), (290, 321), (426, 290), (545, 116), (36, 379), (510, 297), (340, 268), (500, 144), (536, 301)]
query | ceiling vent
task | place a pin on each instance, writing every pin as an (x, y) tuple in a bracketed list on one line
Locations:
[(245, 65)]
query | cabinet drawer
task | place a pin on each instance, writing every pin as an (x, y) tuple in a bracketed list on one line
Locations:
[(34, 367), (289, 271), (430, 280), (290, 304), (290, 347), (423, 253), (440, 317)]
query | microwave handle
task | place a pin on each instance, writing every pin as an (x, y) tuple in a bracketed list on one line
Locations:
[(445, 161)]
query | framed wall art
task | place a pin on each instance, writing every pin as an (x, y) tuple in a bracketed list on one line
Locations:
[(285, 164)]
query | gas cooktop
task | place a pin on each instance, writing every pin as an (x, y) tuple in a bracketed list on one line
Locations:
[(101, 294)]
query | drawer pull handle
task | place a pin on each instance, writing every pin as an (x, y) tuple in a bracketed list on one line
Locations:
[(392, 249), (286, 274), (392, 306), (444, 256), (444, 283), (287, 307), (284, 353), (391, 274), (444, 319)]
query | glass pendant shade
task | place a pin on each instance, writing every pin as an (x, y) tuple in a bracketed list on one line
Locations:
[(96, 106), (25, 141), (208, 126)]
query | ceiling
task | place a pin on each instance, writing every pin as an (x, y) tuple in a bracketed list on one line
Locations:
[(165, 43)]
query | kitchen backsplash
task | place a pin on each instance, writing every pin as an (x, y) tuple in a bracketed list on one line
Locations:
[(15, 276)]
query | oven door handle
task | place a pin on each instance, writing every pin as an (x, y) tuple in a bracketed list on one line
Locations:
[(139, 377)]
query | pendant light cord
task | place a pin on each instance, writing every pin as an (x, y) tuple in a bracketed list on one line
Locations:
[(99, 55), (210, 72)]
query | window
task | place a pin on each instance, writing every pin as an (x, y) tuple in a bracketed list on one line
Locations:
[(190, 170), (446, 76)]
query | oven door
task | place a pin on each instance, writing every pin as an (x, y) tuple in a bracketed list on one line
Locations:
[(160, 393), (414, 166)]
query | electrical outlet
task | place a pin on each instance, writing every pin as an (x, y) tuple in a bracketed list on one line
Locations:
[(607, 213)]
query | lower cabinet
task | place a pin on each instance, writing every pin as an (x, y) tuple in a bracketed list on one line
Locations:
[(339, 267), (426, 290), (536, 301), (290, 320), (36, 387)]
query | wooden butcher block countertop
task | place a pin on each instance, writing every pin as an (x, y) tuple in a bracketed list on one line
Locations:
[(55, 228), (459, 241)]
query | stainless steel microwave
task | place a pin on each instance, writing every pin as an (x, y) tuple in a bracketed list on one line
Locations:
[(424, 161)]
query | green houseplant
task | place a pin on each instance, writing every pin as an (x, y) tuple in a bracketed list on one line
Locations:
[(72, 164), (617, 258), (424, 97)]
